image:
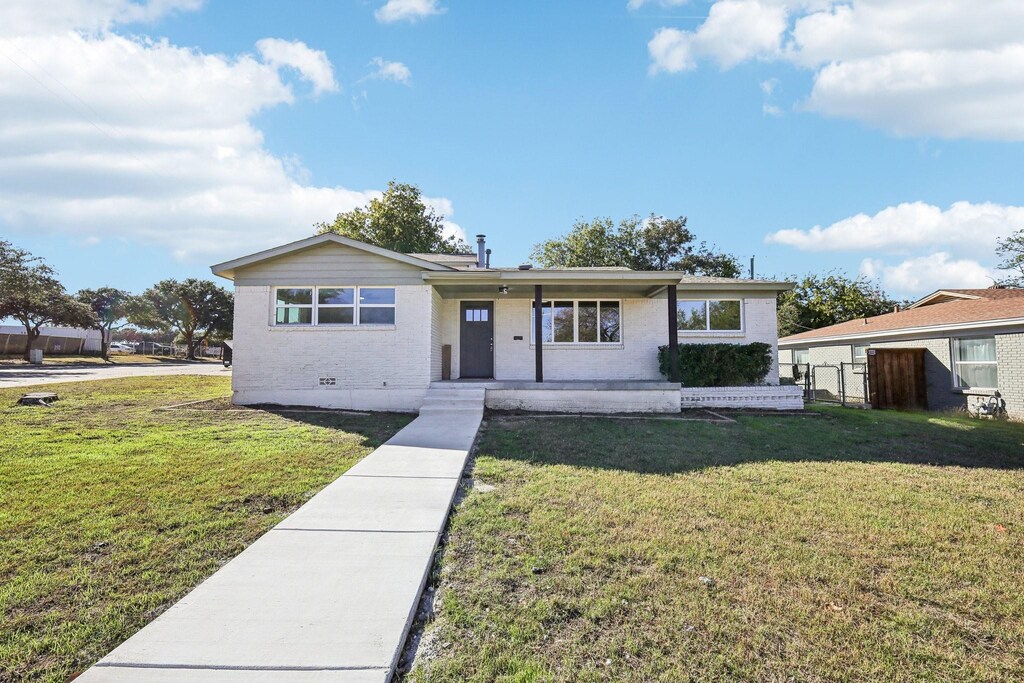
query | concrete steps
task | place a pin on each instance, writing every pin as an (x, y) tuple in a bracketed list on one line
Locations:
[(441, 400)]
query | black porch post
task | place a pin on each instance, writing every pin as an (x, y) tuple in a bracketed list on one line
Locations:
[(538, 326), (673, 336)]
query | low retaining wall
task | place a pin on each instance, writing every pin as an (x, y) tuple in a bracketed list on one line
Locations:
[(656, 397), (760, 397)]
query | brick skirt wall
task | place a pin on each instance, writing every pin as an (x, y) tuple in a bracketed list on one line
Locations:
[(759, 397)]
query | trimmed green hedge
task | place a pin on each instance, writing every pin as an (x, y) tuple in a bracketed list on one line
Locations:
[(720, 365)]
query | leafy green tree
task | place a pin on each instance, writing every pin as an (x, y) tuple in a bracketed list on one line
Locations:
[(197, 310), (111, 308), (1011, 250), (31, 294), (398, 220), (652, 243), (820, 301)]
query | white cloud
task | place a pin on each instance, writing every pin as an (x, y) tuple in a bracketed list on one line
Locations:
[(312, 65), (407, 10), (735, 30), (924, 274), (637, 4), (953, 69), (390, 71), (23, 17), (966, 227), (108, 137)]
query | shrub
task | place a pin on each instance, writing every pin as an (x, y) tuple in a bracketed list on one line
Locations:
[(720, 365)]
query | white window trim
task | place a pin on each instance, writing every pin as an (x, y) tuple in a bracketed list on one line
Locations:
[(707, 331), (955, 363), (576, 343), (853, 352), (274, 306), (316, 305)]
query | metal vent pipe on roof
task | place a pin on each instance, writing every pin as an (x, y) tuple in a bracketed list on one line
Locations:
[(481, 248)]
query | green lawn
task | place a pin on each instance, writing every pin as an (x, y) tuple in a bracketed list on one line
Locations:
[(848, 546), (110, 511)]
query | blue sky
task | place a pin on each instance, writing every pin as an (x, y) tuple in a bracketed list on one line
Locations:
[(146, 142)]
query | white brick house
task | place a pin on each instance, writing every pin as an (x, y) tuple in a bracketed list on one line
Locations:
[(332, 322)]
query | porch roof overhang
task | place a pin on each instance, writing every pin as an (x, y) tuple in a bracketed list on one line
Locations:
[(556, 283), (486, 284)]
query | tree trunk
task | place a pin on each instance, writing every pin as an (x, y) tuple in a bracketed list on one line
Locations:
[(190, 349), (31, 334), (104, 344)]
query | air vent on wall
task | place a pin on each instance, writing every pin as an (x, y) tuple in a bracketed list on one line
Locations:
[(328, 381)]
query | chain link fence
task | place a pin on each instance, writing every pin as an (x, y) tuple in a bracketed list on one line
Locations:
[(845, 383)]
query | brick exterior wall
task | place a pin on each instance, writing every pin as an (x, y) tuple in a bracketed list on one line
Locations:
[(1010, 357), (375, 368), (436, 334), (644, 329), (390, 368)]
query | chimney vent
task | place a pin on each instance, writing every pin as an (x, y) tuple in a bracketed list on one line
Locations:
[(481, 246), (525, 266)]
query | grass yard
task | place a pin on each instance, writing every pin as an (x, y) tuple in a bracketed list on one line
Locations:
[(848, 546), (111, 511)]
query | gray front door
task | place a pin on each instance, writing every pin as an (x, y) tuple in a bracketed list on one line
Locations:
[(476, 340)]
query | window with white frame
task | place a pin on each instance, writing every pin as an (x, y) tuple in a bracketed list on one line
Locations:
[(801, 356), (330, 306), (294, 306), (579, 322), (974, 363), (860, 353), (709, 315)]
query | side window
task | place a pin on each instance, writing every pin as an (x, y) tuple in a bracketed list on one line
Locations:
[(293, 306)]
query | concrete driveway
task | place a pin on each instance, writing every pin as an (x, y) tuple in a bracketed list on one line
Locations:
[(28, 375)]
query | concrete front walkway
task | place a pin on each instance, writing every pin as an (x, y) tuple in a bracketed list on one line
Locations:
[(330, 592)]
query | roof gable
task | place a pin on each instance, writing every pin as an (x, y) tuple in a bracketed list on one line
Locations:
[(228, 268)]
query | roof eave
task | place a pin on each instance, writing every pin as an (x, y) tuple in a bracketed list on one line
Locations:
[(793, 340)]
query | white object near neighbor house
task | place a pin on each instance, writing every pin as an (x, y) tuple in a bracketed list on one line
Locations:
[(332, 322)]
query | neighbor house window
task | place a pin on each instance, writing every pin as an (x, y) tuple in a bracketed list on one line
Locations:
[(709, 315), (974, 363), (334, 306), (860, 353), (801, 356), (579, 322)]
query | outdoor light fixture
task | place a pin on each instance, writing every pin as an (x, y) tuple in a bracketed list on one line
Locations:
[(503, 289)]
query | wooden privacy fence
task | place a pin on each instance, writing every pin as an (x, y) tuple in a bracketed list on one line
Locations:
[(896, 379)]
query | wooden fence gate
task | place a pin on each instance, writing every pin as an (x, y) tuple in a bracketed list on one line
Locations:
[(896, 379)]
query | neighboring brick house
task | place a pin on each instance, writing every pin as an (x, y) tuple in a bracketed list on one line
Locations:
[(974, 342), (329, 321)]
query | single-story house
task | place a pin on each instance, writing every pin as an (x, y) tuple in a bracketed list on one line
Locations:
[(329, 321), (973, 341)]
